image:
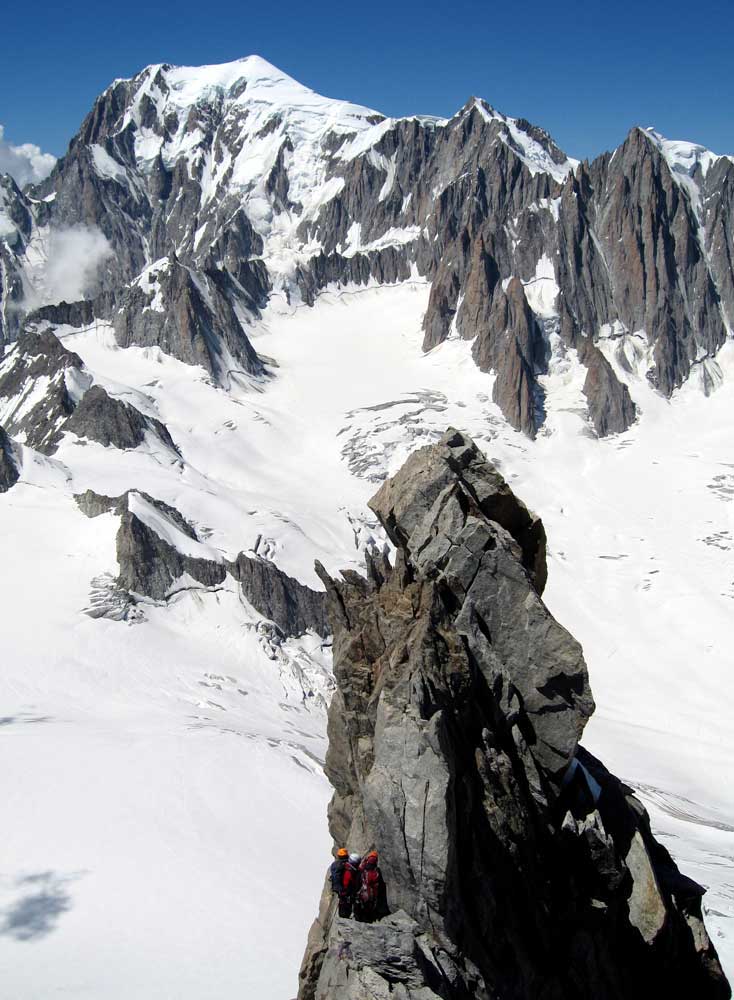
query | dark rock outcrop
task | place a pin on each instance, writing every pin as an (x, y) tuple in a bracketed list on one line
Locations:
[(79, 314), (188, 316), (718, 208), (45, 391), (76, 314), (386, 266), (39, 361), (150, 565), (99, 417), (650, 236), (517, 866), (9, 474), (293, 607), (16, 228), (611, 409), (93, 504), (511, 344)]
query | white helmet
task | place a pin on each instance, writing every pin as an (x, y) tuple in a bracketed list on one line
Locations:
[(355, 858)]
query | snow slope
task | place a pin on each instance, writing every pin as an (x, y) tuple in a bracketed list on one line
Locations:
[(151, 777), (165, 832)]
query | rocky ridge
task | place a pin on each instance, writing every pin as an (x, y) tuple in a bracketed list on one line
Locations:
[(516, 865), (159, 553), (46, 392), (40, 382), (215, 187)]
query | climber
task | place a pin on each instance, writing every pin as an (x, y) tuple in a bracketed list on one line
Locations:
[(370, 902), (349, 885), (337, 869)]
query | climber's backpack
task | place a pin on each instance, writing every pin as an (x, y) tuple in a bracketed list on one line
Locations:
[(368, 890), (336, 873), (350, 876)]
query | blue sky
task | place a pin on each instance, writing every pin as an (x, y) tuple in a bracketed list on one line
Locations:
[(585, 72)]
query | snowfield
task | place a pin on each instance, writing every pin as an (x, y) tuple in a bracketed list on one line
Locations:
[(164, 806)]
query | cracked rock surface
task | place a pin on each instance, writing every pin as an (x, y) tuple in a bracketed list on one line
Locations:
[(517, 866)]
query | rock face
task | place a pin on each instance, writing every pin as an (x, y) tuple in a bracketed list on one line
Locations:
[(157, 548), (293, 607), (156, 552), (188, 316), (16, 228), (511, 344), (646, 249), (8, 464), (216, 186), (516, 865), (611, 409)]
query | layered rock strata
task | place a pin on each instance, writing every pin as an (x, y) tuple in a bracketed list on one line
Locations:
[(517, 866)]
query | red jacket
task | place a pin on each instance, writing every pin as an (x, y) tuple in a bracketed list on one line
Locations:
[(350, 880)]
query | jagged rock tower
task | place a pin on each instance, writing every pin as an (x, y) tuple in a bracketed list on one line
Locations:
[(517, 866)]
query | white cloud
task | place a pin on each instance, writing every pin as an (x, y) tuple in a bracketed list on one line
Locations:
[(73, 258), (26, 164)]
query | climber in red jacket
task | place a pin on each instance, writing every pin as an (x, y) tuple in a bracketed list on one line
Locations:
[(349, 885), (370, 902)]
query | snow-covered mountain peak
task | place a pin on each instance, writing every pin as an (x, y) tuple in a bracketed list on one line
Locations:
[(243, 129), (533, 145), (251, 105), (691, 165), (250, 83), (683, 157)]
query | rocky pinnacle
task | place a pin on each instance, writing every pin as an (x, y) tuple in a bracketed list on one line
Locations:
[(517, 866)]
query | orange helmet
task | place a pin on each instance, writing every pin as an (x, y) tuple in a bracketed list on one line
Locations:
[(342, 853), (372, 856)]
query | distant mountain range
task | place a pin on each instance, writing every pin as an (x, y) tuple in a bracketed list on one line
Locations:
[(214, 186)]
